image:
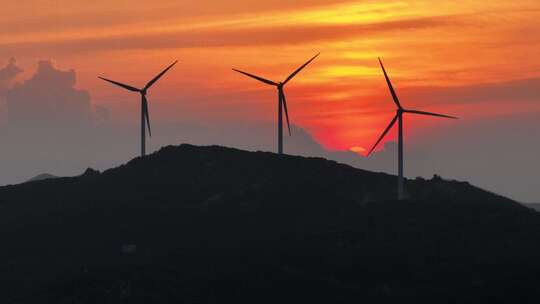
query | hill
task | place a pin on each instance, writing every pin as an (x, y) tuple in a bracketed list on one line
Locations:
[(534, 206), (212, 224), (42, 176)]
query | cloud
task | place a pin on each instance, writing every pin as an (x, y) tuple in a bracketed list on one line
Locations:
[(102, 113), (522, 89), (48, 99), (8, 75), (95, 16), (231, 37)]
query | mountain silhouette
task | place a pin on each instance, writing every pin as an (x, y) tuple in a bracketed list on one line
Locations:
[(192, 224), (534, 206), (42, 176)]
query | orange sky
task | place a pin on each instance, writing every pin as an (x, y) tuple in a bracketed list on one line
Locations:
[(432, 50)]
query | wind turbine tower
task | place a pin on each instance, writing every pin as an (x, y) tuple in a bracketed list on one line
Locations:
[(282, 102), (399, 118), (145, 116)]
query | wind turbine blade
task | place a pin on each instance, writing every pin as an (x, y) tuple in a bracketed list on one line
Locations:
[(286, 111), (394, 96), (256, 77), (384, 133), (429, 113), (151, 82), (147, 115), (300, 68), (125, 86)]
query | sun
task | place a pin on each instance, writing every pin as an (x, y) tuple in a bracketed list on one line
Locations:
[(359, 150)]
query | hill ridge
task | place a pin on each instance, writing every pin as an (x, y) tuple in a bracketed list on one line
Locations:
[(205, 223)]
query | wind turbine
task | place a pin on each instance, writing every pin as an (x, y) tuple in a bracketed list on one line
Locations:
[(282, 102), (145, 116), (399, 119)]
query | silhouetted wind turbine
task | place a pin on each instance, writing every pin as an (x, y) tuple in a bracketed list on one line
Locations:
[(399, 119), (282, 102), (145, 116)]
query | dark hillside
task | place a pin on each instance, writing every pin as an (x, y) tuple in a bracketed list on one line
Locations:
[(212, 224)]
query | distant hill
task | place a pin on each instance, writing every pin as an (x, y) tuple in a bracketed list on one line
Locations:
[(534, 206), (194, 224), (40, 177)]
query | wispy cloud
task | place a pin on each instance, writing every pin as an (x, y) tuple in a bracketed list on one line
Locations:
[(223, 37)]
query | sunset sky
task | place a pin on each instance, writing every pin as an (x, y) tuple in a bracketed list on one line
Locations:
[(463, 58)]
